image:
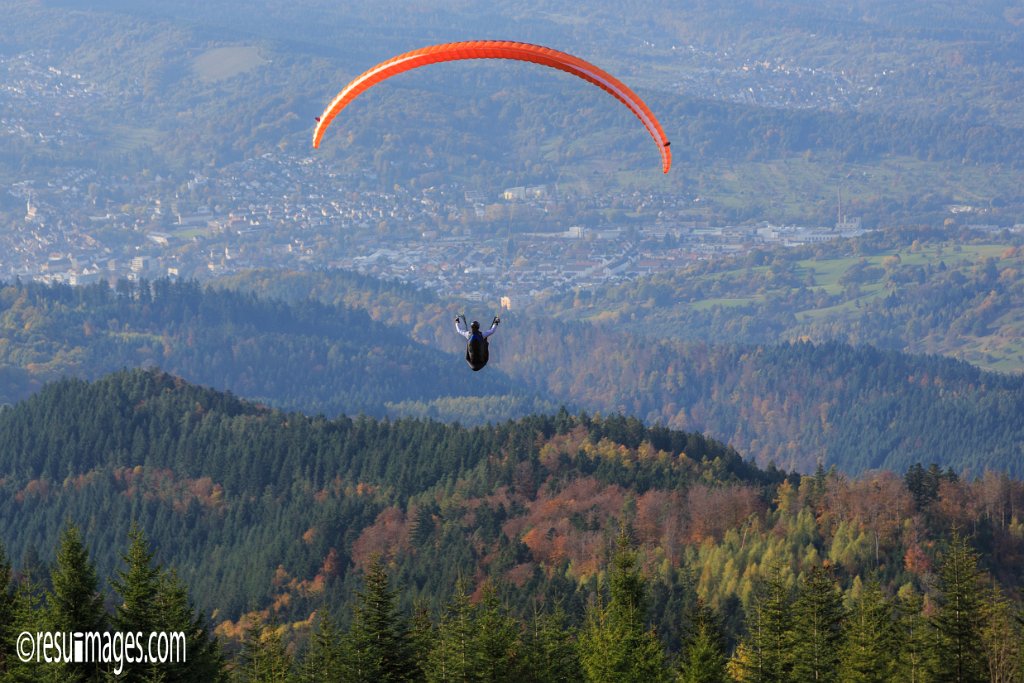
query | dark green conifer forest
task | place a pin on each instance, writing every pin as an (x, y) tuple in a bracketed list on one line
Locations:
[(561, 547), (857, 407)]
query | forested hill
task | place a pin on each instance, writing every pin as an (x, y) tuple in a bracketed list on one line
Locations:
[(304, 355), (795, 404), (230, 491), (274, 516), (857, 407)]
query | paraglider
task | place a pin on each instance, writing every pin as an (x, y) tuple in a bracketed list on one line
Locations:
[(477, 352), (498, 49)]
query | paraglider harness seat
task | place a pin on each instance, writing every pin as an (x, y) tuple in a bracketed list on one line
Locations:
[(477, 349), (477, 353)]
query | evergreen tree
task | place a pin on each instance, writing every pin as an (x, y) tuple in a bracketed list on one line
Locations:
[(7, 607), (204, 660), (915, 638), (263, 658), (551, 654), (75, 602), (817, 627), (499, 641), (27, 615), (764, 655), (421, 639), (869, 639), (453, 657), (615, 644), (958, 621), (323, 658), (703, 660), (379, 636), (138, 584)]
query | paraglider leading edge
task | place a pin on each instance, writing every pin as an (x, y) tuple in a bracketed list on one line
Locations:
[(498, 49)]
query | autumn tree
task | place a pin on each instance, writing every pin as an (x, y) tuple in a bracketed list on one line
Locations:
[(1001, 634)]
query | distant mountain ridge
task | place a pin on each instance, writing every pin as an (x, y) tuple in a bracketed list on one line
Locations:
[(319, 358), (797, 404)]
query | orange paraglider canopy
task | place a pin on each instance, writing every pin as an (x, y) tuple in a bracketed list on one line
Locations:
[(499, 49)]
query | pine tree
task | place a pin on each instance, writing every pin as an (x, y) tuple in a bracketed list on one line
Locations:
[(551, 654), (138, 585), (615, 644), (204, 660), (868, 638), (499, 641), (817, 623), (422, 635), (915, 639), (379, 636), (263, 658), (75, 603), (27, 615), (322, 660), (703, 660), (453, 657), (767, 648), (961, 655), (7, 605)]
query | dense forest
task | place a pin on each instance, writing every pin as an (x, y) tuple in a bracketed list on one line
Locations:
[(595, 546), (311, 357), (796, 404), (793, 403)]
